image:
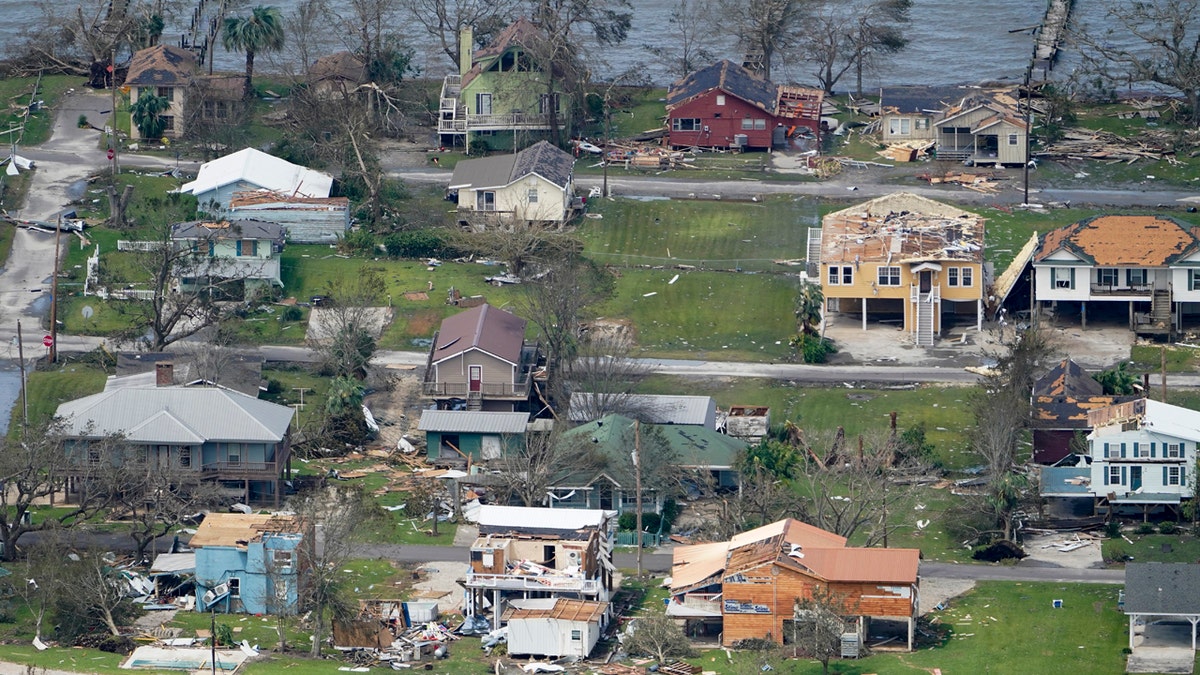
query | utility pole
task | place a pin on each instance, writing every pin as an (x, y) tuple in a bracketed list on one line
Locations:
[(116, 138), (1028, 131), (24, 394), (637, 473), (54, 295)]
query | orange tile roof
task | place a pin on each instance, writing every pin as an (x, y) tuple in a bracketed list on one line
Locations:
[(1115, 241), (901, 227)]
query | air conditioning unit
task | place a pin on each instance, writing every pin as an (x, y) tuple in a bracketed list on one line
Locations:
[(573, 558)]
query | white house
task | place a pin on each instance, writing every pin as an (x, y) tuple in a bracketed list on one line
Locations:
[(1143, 453), (556, 627), (250, 169), (1145, 269), (536, 185)]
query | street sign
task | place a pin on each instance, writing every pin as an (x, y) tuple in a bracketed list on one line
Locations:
[(110, 153), (47, 341)]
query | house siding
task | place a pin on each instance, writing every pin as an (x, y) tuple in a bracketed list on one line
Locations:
[(1154, 479), (175, 110), (512, 201), (455, 370), (867, 289), (914, 122), (258, 577), (302, 225), (720, 129)]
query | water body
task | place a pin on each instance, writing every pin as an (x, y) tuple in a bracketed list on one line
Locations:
[(951, 42)]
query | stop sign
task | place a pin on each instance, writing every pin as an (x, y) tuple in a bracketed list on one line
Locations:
[(111, 154), (47, 341)]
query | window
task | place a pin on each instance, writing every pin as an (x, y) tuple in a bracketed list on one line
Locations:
[(1112, 451), (1012, 139), (841, 275), (1114, 475), (576, 635), (532, 196), (185, 457), (952, 276), (233, 453), (1135, 277), (248, 247), (168, 122), (93, 457), (235, 587), (1194, 280), (747, 124), (1107, 276), (922, 124), (143, 455), (685, 124), (720, 99), (1173, 450), (167, 93), (1062, 277), (889, 276), (281, 559), (900, 126), (760, 124), (1172, 475), (968, 277), (485, 201), (1141, 450), (483, 104)]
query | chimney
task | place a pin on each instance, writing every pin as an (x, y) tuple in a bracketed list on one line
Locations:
[(466, 47), (164, 373)]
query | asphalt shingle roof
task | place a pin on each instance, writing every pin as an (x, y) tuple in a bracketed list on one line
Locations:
[(492, 330), (161, 65), (1162, 588), (729, 78), (1146, 241), (541, 158)]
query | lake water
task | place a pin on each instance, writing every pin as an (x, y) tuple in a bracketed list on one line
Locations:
[(951, 41)]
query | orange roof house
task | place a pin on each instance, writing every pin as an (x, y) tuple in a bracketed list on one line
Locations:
[(748, 587), (1140, 269)]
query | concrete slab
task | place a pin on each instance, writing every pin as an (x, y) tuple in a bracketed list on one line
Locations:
[(1167, 660)]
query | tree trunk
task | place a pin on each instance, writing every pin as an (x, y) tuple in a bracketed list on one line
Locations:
[(118, 204), (318, 631), (249, 91)]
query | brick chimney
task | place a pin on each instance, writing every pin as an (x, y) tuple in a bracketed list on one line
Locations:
[(164, 373)]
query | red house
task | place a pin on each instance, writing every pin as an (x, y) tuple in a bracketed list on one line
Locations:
[(727, 106)]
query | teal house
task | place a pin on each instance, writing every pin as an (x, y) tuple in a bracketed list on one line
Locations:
[(609, 483), (453, 437), (248, 563), (500, 90)]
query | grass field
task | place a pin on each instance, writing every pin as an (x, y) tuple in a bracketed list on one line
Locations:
[(48, 389), (17, 92), (1170, 548), (708, 234)]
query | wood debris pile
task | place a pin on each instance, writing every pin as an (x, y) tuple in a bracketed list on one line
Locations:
[(1088, 144), (985, 182), (907, 151)]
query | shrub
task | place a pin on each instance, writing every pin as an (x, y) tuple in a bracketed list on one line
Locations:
[(1168, 527), (650, 522), (1145, 528), (1112, 529), (812, 349), (480, 147), (416, 244), (1116, 553), (291, 313), (82, 122), (359, 241)]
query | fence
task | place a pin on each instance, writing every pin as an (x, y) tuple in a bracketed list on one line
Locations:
[(124, 245), (649, 539)]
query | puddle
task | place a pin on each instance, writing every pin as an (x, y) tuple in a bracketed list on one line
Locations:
[(40, 304), (76, 190), (10, 391)]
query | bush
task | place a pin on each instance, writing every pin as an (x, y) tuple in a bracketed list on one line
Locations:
[(1116, 553), (812, 349), (417, 244), (82, 122), (479, 147), (1145, 528), (1168, 527), (291, 313), (360, 241), (650, 522), (1112, 529)]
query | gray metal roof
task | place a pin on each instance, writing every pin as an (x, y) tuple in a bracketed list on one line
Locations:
[(651, 408), (1162, 588), (177, 415), (245, 228), (552, 163), (473, 422)]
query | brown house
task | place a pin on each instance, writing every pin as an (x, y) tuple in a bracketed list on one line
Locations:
[(749, 586), (337, 75), (479, 360), (1062, 399)]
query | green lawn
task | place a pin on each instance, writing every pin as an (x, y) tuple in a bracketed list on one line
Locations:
[(1173, 548), (708, 234), (16, 93), (47, 389), (1149, 358)]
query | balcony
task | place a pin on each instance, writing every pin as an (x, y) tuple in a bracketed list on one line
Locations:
[(1124, 291), (240, 469), (525, 582), (518, 389)]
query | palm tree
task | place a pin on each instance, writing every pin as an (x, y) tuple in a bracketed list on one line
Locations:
[(262, 31), (147, 115)]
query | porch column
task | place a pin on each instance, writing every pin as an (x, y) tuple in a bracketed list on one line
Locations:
[(910, 633), (1131, 620), (864, 313), (979, 315), (1131, 315), (1193, 620), (1083, 314), (496, 613)]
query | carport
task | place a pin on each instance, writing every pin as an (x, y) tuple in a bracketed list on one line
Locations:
[(1162, 591)]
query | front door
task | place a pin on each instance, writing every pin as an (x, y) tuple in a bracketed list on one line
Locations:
[(926, 281), (1135, 478), (475, 377)]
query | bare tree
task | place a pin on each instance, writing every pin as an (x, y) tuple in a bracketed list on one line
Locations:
[(689, 45), (45, 578), (99, 590), (1155, 41), (603, 376), (818, 624), (527, 472), (346, 337), (844, 38), (765, 28), (337, 513), (444, 20), (656, 635)]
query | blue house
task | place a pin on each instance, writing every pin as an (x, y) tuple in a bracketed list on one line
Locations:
[(248, 563)]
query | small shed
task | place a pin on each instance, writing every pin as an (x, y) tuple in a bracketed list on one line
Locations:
[(556, 627), (748, 422), (461, 434)]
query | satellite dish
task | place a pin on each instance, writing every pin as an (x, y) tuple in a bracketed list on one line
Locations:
[(87, 311)]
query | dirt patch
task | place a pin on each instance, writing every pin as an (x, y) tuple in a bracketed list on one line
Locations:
[(416, 295), (617, 333), (936, 591), (396, 404), (423, 322), (441, 583), (1063, 550)]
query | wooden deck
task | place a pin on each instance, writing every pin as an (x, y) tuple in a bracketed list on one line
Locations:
[(1050, 36)]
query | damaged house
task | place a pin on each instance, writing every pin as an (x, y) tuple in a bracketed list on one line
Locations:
[(902, 259), (248, 563), (1062, 399), (749, 587), (525, 558), (965, 125)]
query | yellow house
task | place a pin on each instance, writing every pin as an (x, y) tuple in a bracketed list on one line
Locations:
[(905, 259), (166, 71)]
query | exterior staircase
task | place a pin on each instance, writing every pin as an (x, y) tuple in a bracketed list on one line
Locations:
[(925, 305), (474, 400), (1160, 308)]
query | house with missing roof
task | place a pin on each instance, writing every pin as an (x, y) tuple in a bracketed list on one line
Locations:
[(480, 360), (707, 457), (305, 220), (1139, 270), (1062, 399), (216, 434), (525, 556), (500, 90), (748, 587), (233, 259), (250, 169), (337, 75), (1158, 598), (966, 124), (533, 186), (904, 260), (248, 563), (727, 106)]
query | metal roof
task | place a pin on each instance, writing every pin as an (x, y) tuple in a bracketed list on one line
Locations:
[(176, 415), (492, 330), (564, 609), (519, 517), (265, 171), (1162, 588), (651, 408), (473, 422), (174, 563)]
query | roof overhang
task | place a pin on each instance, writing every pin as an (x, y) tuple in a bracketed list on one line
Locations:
[(924, 266)]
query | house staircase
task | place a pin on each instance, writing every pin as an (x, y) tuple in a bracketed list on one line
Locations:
[(1160, 308), (926, 304), (474, 400)]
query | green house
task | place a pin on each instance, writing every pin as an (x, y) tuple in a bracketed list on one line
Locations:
[(457, 436), (500, 89)]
